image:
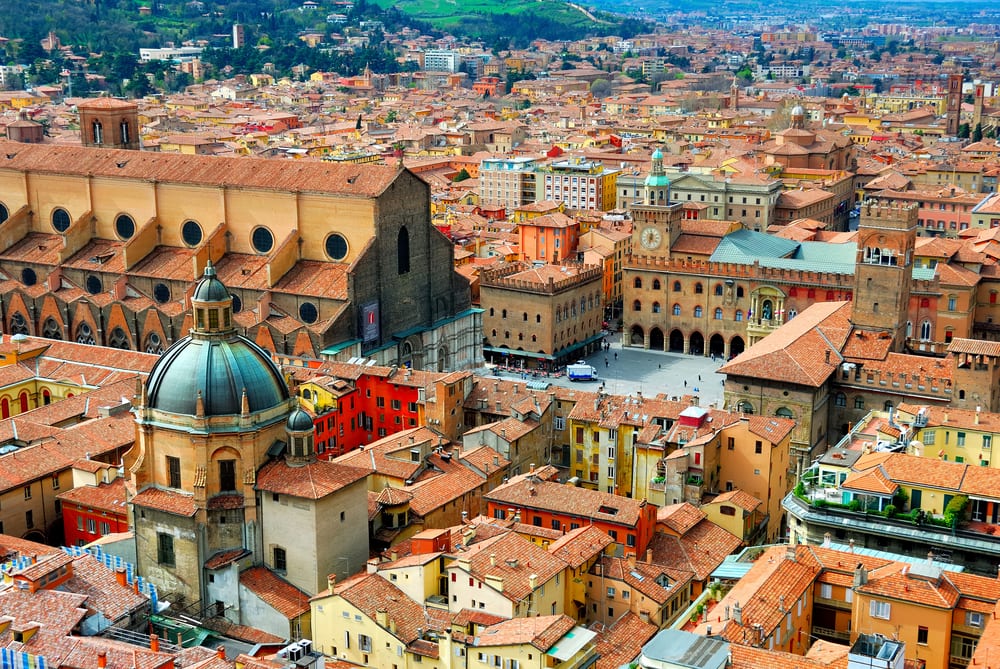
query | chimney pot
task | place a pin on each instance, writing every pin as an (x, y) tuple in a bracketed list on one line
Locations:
[(102, 659), (220, 652), (331, 580), (154, 643)]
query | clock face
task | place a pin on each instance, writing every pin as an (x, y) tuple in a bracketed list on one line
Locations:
[(650, 238)]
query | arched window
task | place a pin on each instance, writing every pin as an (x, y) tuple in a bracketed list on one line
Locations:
[(51, 329), (637, 306), (18, 324), (743, 406), (637, 283), (784, 412), (656, 307), (909, 328), (739, 315), (503, 314), (718, 313), (119, 339), (739, 291), (718, 289), (676, 311), (525, 317), (84, 334), (534, 338), (656, 284), (46, 396), (538, 318), (887, 406), (840, 400), (125, 132), (926, 302), (859, 402), (98, 132), (677, 286), (699, 288), (925, 331), (403, 251), (154, 344), (697, 312), (23, 399)]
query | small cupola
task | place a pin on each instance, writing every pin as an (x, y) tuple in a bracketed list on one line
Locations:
[(299, 427), (212, 304)]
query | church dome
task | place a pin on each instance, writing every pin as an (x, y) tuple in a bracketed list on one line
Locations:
[(220, 369), (798, 110), (209, 288), (214, 362), (299, 421)]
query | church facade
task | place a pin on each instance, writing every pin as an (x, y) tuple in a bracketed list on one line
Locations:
[(102, 245)]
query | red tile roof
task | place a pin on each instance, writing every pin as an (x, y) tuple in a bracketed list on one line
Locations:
[(169, 501), (276, 592), (314, 480)]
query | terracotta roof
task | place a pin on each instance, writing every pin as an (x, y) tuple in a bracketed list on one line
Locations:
[(109, 497), (513, 558), (579, 545), (623, 642), (679, 517), (542, 632), (169, 501), (205, 171), (804, 351), (527, 492), (314, 480), (974, 347), (276, 592), (738, 498)]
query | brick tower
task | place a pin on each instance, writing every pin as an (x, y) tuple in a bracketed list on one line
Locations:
[(109, 123), (883, 270)]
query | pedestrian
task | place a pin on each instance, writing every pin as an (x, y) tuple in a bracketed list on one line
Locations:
[(685, 383), (659, 366), (606, 363), (699, 377), (616, 355)]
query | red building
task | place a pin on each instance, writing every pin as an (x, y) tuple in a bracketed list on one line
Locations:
[(629, 522), (353, 405), (93, 511)]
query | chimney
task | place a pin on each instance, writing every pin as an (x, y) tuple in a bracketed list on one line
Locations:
[(631, 561), (533, 581), (382, 618), (121, 577), (860, 576), (649, 556), (220, 652), (781, 603), (531, 468), (331, 580), (493, 559), (737, 613), (790, 553), (102, 659), (850, 545), (154, 643), (827, 539)]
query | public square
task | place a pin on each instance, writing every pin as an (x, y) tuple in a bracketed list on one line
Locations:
[(629, 370)]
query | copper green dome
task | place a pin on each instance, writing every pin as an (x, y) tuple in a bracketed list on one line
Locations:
[(299, 421), (214, 362), (209, 288), (220, 369)]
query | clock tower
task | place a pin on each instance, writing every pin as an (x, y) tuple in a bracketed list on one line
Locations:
[(656, 222)]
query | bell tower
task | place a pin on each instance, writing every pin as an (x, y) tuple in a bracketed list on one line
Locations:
[(656, 223), (883, 270)]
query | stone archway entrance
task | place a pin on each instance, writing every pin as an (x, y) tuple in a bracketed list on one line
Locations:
[(736, 346), (656, 339), (676, 341), (717, 346), (637, 337), (697, 346)]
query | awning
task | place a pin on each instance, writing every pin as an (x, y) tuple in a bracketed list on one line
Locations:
[(571, 643)]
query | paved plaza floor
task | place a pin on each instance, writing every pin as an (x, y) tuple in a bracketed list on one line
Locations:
[(625, 370)]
